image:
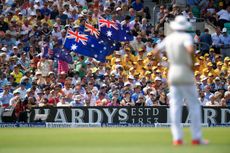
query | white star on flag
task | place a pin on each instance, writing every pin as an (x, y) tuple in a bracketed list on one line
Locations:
[(125, 38), (92, 45), (74, 47), (109, 33), (95, 55), (104, 48)]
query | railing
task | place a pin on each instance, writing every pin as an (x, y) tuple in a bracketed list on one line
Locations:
[(200, 44), (198, 25)]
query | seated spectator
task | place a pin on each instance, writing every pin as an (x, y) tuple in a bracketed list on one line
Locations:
[(223, 16), (140, 101), (77, 101), (212, 101), (152, 99), (63, 102), (5, 96)]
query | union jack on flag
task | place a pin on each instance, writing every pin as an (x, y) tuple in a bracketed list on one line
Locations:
[(107, 23), (92, 30), (77, 36)]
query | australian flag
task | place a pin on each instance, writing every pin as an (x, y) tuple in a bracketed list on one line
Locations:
[(57, 53), (114, 30), (88, 45), (94, 32)]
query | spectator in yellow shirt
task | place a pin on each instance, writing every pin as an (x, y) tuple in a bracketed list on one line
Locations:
[(17, 74), (210, 68), (218, 69), (47, 20)]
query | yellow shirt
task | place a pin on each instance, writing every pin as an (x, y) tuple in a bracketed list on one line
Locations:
[(17, 76), (92, 22), (49, 22)]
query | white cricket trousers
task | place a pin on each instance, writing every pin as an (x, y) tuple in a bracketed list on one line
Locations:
[(190, 94)]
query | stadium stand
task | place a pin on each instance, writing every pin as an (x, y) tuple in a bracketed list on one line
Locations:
[(131, 76)]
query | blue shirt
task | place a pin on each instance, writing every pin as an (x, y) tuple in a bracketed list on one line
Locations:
[(135, 96), (76, 104), (137, 6), (207, 39), (216, 40), (225, 39), (5, 99)]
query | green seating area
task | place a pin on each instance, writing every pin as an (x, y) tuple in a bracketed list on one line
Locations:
[(227, 25)]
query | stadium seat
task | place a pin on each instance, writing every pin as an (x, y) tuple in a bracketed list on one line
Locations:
[(227, 25)]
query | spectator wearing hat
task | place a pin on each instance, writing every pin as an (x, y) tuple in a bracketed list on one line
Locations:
[(152, 99), (39, 79), (225, 43), (218, 84), (13, 100), (22, 90), (137, 92), (63, 102), (5, 96)]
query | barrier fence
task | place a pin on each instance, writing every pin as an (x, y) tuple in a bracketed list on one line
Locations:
[(74, 117), (123, 115)]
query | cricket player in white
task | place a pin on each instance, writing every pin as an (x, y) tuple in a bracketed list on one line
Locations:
[(179, 48)]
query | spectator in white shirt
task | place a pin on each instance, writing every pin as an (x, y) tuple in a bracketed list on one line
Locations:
[(212, 101), (216, 40), (224, 16), (63, 102)]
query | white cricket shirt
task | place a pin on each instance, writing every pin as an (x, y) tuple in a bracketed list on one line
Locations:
[(179, 59)]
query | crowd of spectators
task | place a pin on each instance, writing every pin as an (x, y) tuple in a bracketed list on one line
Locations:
[(132, 76)]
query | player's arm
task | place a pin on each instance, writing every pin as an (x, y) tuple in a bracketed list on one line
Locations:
[(160, 47), (190, 49)]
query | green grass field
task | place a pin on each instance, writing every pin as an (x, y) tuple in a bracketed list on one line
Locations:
[(107, 140)]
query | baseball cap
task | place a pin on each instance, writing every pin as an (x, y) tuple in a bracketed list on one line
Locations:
[(4, 49), (158, 79), (15, 47), (224, 30), (118, 9), (127, 83)]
